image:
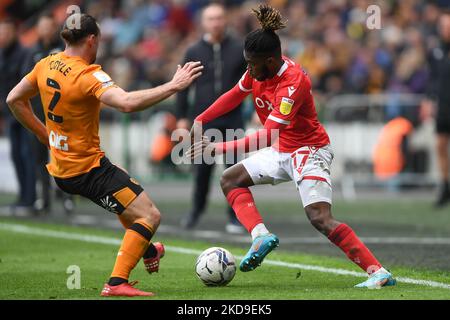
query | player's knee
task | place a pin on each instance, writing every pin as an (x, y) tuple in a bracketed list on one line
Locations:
[(320, 218), (318, 223), (154, 216), (150, 215), (227, 181)]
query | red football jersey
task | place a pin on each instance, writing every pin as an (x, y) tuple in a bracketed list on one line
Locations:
[(287, 99)]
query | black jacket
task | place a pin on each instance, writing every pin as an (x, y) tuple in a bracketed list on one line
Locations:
[(12, 69), (217, 78), (439, 84)]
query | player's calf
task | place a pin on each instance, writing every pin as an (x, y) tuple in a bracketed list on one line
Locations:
[(235, 177), (141, 218), (345, 238), (143, 209)]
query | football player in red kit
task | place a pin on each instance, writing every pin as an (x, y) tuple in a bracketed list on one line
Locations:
[(300, 152)]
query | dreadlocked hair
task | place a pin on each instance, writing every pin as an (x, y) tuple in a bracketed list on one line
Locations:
[(269, 18), (265, 41)]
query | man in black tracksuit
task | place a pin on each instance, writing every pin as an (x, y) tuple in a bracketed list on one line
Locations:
[(439, 90), (12, 68), (49, 42), (222, 57)]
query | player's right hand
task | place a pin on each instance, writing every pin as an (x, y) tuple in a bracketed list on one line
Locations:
[(185, 75), (198, 148), (196, 132)]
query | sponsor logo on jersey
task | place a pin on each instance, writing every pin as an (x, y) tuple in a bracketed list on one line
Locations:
[(260, 103), (101, 76), (286, 106), (108, 204), (58, 141)]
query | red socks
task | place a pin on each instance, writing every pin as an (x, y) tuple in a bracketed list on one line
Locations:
[(344, 237), (241, 200)]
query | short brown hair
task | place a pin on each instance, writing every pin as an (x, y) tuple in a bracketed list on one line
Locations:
[(88, 26)]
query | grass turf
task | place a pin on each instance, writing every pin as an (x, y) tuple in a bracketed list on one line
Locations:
[(34, 267)]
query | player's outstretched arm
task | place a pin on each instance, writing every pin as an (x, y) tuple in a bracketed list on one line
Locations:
[(260, 139), (224, 104), (142, 99), (18, 101)]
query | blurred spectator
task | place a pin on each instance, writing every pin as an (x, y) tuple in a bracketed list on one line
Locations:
[(162, 145), (425, 159), (12, 69), (329, 38), (48, 42), (391, 151), (439, 90), (339, 52), (222, 56), (143, 41)]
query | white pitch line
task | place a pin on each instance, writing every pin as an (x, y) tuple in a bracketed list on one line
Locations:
[(407, 240), (214, 234), (18, 228), (374, 240)]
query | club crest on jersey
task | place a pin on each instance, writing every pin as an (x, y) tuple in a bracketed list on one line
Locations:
[(286, 106)]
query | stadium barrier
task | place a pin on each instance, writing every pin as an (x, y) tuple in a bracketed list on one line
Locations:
[(354, 123)]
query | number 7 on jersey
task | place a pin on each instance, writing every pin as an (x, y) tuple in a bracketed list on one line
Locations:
[(57, 95)]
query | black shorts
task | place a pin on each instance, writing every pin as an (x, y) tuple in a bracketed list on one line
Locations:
[(108, 186)]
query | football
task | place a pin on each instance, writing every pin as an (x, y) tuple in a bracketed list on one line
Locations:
[(215, 266)]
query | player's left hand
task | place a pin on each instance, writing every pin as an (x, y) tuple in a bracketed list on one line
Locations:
[(186, 74), (197, 148)]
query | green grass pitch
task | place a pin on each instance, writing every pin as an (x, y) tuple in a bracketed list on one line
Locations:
[(35, 267)]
